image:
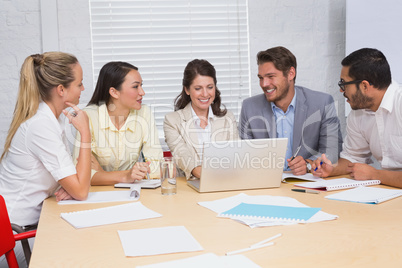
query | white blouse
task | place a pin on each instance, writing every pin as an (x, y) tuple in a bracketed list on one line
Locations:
[(204, 134), (37, 159)]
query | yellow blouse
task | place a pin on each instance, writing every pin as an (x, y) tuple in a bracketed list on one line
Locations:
[(120, 149)]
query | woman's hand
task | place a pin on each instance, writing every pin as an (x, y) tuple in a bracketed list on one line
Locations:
[(62, 194), (95, 164), (196, 172), (138, 171), (78, 118)]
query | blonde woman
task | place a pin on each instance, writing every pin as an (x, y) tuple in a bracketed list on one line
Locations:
[(121, 127), (36, 159)]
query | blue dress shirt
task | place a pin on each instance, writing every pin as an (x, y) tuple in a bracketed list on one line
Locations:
[(284, 125)]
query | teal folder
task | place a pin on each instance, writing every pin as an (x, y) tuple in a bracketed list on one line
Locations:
[(268, 212)]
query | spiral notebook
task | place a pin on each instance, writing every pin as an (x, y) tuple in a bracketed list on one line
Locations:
[(367, 195), (268, 212), (336, 184)]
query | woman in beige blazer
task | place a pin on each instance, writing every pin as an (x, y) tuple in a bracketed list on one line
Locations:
[(198, 118)]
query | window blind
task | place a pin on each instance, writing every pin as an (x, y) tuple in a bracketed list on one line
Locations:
[(161, 37)]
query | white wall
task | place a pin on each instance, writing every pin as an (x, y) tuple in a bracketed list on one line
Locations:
[(314, 30), (379, 26), (21, 35)]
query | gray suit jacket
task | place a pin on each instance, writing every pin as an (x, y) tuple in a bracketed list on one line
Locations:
[(181, 136), (316, 124)]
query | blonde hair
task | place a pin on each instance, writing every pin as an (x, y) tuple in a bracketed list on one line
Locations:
[(40, 73)]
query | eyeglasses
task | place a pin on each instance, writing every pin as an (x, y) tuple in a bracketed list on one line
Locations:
[(342, 83)]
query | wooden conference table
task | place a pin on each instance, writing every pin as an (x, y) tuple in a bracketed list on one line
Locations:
[(363, 236)]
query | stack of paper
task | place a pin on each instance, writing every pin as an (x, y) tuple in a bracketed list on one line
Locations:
[(222, 205)]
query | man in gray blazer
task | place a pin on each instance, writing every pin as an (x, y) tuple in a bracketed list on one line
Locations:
[(307, 118)]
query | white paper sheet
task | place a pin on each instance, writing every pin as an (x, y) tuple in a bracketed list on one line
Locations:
[(225, 204), (155, 241), (100, 197), (208, 260), (109, 215)]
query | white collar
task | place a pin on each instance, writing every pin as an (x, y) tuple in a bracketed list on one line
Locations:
[(387, 101), (195, 116)]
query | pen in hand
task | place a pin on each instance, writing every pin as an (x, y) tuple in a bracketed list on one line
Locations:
[(297, 151), (317, 166), (143, 159)]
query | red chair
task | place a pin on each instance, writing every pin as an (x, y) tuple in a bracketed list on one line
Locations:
[(167, 154), (8, 238)]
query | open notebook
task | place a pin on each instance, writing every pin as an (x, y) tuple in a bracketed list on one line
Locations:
[(144, 184), (336, 184), (289, 177)]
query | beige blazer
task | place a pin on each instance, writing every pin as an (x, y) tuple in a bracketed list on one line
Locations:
[(182, 138)]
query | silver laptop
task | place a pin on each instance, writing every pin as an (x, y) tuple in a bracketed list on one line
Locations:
[(241, 165)]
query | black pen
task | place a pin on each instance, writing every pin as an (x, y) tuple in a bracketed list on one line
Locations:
[(306, 191), (297, 151)]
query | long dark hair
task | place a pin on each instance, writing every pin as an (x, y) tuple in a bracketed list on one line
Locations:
[(194, 68), (112, 74)]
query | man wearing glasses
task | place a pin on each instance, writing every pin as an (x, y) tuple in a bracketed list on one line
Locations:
[(374, 127), (307, 118)]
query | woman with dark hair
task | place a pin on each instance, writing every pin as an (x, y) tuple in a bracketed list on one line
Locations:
[(198, 118), (121, 127)]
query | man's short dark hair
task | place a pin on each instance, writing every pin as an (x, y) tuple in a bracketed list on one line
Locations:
[(369, 64), (281, 57)]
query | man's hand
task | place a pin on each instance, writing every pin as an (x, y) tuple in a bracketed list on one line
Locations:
[(361, 171), (322, 167), (298, 165)]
